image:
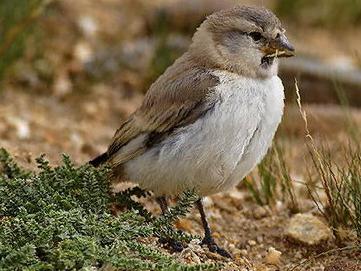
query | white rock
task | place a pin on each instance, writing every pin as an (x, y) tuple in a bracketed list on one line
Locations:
[(187, 253), (252, 243), (273, 256), (83, 52), (307, 229), (88, 25), (236, 194), (62, 85), (260, 212), (207, 202), (244, 252), (22, 127)]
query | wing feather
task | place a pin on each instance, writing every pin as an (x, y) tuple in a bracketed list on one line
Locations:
[(171, 102)]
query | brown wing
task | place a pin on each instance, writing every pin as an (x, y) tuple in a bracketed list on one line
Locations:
[(179, 97)]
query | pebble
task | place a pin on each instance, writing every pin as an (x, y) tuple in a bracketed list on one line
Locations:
[(280, 206), (83, 52), (189, 255), (223, 204), (260, 212), (273, 256), (88, 25), (213, 255), (244, 252), (252, 243), (22, 127), (237, 198), (62, 85), (307, 229), (195, 246), (207, 202), (259, 239)]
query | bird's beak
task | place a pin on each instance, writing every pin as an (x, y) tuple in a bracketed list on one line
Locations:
[(279, 47)]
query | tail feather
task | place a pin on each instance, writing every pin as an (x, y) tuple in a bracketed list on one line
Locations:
[(101, 159)]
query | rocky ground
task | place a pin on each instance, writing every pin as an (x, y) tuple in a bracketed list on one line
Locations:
[(91, 75)]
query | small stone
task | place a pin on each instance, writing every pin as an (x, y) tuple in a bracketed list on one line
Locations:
[(244, 252), (207, 202), (195, 246), (235, 251), (261, 267), (252, 243), (280, 206), (223, 203), (22, 127), (259, 239), (195, 258), (307, 229), (259, 212), (187, 254), (240, 261), (213, 255), (83, 52), (235, 194), (90, 108), (88, 25), (236, 198), (62, 85), (273, 256), (298, 255)]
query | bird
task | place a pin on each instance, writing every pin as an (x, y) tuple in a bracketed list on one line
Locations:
[(210, 118)]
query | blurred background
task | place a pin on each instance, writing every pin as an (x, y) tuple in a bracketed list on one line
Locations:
[(72, 70)]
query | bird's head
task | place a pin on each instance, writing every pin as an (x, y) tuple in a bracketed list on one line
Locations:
[(243, 40)]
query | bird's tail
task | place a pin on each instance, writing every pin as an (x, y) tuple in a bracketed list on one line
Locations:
[(101, 159)]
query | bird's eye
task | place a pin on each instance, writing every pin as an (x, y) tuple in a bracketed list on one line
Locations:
[(256, 36)]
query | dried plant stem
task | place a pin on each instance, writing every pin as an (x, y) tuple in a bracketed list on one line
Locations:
[(302, 263), (315, 154)]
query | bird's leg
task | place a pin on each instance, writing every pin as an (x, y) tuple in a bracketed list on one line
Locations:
[(208, 239), (162, 201), (173, 244)]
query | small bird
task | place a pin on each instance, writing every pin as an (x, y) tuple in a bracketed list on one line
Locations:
[(209, 119)]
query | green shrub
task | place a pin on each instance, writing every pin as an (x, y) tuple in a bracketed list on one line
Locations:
[(60, 219)]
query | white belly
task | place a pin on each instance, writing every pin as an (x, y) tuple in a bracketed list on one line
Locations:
[(217, 151)]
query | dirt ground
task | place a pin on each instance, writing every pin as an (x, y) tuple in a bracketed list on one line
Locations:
[(77, 111)]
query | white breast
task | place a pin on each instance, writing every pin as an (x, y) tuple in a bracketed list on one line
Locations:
[(218, 150)]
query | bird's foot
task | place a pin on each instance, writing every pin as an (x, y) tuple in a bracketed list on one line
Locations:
[(172, 244), (213, 247)]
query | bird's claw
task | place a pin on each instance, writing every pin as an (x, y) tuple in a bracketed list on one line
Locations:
[(213, 247), (172, 244)]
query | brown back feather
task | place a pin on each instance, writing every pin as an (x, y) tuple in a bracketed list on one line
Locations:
[(178, 98)]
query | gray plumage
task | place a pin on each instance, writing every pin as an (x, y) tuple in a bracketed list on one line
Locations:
[(210, 118)]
